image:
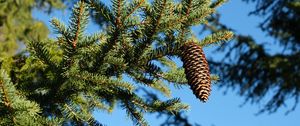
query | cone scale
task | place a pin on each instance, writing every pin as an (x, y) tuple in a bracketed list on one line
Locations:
[(196, 70)]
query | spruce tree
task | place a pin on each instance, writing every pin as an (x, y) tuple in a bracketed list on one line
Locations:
[(69, 77)]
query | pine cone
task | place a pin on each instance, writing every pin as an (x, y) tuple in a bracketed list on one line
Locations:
[(196, 70)]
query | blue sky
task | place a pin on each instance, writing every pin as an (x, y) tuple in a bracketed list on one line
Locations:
[(220, 110)]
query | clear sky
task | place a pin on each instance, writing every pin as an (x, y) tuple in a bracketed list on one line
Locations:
[(221, 109)]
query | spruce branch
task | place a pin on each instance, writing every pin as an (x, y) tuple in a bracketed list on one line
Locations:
[(70, 113), (189, 6), (175, 76), (200, 15), (186, 11), (104, 81), (78, 22), (134, 9), (154, 54), (139, 76), (151, 30), (218, 3), (80, 111), (151, 82), (86, 72), (100, 12), (39, 50), (161, 9), (115, 34), (91, 41), (94, 101), (17, 110), (162, 88), (221, 36), (135, 114), (60, 27), (117, 4), (5, 97), (167, 62)]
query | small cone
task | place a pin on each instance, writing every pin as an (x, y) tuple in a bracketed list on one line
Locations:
[(196, 70)]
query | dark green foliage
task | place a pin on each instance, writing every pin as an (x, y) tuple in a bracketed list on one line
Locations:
[(75, 74), (16, 109)]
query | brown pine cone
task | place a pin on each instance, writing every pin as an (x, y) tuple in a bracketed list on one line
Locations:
[(196, 70)]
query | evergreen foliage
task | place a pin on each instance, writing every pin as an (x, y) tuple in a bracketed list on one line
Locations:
[(16, 109), (67, 78)]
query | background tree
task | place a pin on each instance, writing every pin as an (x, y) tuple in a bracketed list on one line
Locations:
[(253, 70), (17, 24), (71, 76)]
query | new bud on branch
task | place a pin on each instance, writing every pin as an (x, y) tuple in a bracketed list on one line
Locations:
[(196, 70)]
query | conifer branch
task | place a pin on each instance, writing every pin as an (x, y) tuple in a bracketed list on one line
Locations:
[(114, 34), (71, 113), (158, 19), (19, 111), (86, 72), (94, 102), (134, 9), (102, 11), (98, 79), (218, 3), (7, 102), (200, 17), (61, 28), (149, 34), (5, 95), (118, 18), (139, 77), (154, 25), (134, 114), (176, 76), (188, 8), (184, 21), (161, 52), (221, 36), (142, 23), (78, 24), (39, 49)]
